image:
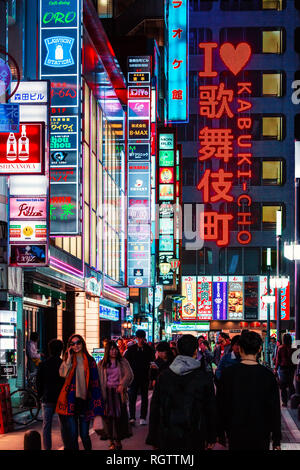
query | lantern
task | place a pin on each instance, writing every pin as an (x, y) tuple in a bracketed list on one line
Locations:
[(164, 268), (175, 263)]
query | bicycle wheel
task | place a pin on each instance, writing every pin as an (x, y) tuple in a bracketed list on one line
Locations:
[(25, 407)]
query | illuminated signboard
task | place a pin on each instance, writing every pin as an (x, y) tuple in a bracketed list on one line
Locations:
[(35, 92), (219, 297), (9, 117), (204, 298), (23, 152), (251, 291), (189, 303), (26, 208), (235, 298), (166, 158), (226, 145), (166, 175), (60, 62), (166, 192), (24, 231), (139, 173), (177, 59), (166, 279), (108, 313)]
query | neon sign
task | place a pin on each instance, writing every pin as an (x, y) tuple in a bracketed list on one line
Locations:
[(216, 102), (177, 67)]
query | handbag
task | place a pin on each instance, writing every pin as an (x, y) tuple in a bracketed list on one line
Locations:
[(98, 424)]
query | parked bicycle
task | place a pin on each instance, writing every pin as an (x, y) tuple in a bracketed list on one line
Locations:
[(25, 403)]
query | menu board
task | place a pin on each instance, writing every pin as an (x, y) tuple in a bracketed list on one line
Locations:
[(235, 298)]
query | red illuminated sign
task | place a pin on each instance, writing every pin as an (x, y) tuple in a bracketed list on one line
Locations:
[(228, 147), (23, 152)]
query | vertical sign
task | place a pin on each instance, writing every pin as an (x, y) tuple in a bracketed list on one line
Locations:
[(263, 290), (235, 298), (251, 298), (220, 297), (139, 173), (230, 146), (189, 303), (204, 297), (60, 62), (177, 59)]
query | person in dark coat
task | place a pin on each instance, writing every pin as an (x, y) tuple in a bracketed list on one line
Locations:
[(249, 402), (230, 358), (285, 369), (164, 358), (183, 407), (49, 385), (139, 356)]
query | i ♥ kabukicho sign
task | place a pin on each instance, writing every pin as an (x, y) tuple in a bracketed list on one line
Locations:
[(232, 150)]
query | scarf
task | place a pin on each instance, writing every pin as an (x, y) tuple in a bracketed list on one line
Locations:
[(66, 400)]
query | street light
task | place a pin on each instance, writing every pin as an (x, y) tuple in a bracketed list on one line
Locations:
[(279, 282)]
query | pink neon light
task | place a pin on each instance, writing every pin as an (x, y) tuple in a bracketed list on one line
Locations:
[(114, 291), (65, 266)]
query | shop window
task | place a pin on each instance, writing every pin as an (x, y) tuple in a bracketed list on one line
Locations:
[(234, 261), (272, 172), (251, 260), (272, 42), (272, 84), (272, 127), (269, 216)]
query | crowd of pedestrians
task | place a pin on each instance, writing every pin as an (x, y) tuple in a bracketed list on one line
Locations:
[(203, 392)]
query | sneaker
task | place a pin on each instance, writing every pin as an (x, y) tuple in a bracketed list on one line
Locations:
[(143, 422), (132, 421)]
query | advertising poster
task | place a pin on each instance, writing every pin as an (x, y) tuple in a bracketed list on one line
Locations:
[(139, 180), (28, 255), (235, 298), (166, 175), (189, 303), (263, 290), (204, 297), (23, 152), (27, 231), (139, 152), (166, 192), (139, 109), (251, 298), (166, 158), (28, 208), (220, 298)]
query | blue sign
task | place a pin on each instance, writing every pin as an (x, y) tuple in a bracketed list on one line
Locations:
[(59, 14), (9, 117), (108, 313), (59, 51), (219, 300), (177, 61)]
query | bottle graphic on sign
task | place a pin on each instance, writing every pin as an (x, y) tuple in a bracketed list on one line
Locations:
[(11, 148), (23, 146), (59, 52)]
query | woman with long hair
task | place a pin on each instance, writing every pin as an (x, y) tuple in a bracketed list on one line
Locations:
[(80, 399), (285, 369), (115, 377)]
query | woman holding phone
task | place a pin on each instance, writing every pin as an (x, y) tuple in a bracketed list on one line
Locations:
[(80, 399)]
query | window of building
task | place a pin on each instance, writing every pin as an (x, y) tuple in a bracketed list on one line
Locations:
[(272, 172), (269, 216), (200, 5), (190, 171), (272, 127), (272, 42), (197, 35), (234, 261), (278, 5), (105, 8), (272, 84)]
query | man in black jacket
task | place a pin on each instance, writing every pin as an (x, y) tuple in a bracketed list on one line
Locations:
[(183, 406), (248, 398), (139, 356), (49, 385)]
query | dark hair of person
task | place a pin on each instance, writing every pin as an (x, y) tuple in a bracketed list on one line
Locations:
[(201, 337), (187, 345), (140, 334), (235, 340), (84, 349), (106, 359), (206, 343), (34, 336), (55, 347), (250, 342), (287, 340), (224, 335)]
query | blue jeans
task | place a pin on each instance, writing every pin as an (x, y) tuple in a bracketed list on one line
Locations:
[(69, 432), (48, 412)]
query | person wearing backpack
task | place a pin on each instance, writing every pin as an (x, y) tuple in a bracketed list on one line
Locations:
[(183, 405)]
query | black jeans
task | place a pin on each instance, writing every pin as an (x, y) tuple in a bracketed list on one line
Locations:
[(143, 385), (286, 383)]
